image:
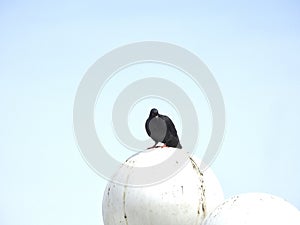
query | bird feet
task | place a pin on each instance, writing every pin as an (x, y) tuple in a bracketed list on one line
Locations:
[(155, 146)]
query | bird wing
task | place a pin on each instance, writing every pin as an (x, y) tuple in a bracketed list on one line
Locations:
[(170, 125), (147, 127)]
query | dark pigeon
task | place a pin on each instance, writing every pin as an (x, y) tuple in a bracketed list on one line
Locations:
[(161, 129)]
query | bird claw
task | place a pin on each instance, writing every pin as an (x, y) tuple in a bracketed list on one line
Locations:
[(156, 146), (152, 147)]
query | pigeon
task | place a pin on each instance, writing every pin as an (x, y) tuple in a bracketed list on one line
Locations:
[(161, 129)]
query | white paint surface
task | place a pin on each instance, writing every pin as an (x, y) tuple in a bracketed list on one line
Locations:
[(254, 209), (186, 198)]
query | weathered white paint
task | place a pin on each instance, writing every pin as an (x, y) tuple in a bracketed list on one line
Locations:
[(254, 209), (184, 199)]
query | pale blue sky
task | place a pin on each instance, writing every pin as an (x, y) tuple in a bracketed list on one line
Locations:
[(252, 48)]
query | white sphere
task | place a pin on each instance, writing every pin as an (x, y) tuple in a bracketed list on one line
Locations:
[(185, 198), (254, 209)]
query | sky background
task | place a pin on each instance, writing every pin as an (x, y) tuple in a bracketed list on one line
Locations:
[(251, 47)]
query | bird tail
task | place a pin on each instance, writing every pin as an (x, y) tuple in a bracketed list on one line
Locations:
[(179, 145)]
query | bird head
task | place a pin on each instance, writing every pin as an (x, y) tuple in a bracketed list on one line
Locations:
[(153, 113)]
